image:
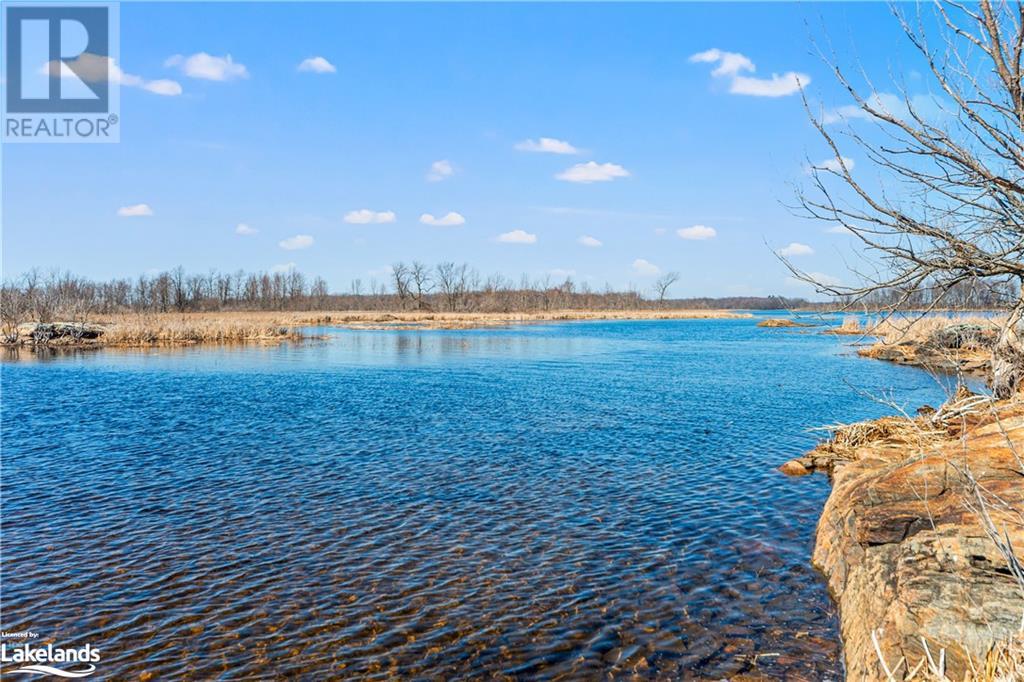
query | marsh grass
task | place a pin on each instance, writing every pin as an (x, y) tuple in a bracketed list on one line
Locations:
[(850, 441), (187, 329), (921, 330), (178, 329), (449, 320)]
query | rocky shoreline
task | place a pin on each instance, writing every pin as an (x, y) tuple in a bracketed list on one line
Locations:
[(921, 540), (969, 361)]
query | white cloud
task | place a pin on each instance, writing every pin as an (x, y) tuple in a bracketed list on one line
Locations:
[(452, 218), (795, 249), (697, 232), (365, 216), (94, 68), (547, 145), (208, 67), (730, 65), (244, 229), (317, 65), (439, 170), (788, 83), (927, 107), (517, 237), (592, 171), (135, 211), (833, 165), (163, 86), (283, 267), (592, 242), (839, 229), (299, 241), (645, 268)]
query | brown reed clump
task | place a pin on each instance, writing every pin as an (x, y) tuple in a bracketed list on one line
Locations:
[(850, 442)]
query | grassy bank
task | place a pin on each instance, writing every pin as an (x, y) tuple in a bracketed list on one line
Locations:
[(956, 343), (443, 320), (137, 331), (180, 329)]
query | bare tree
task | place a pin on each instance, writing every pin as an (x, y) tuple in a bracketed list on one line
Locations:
[(67, 298), (950, 204), (400, 278), (448, 281), (422, 284), (663, 283)]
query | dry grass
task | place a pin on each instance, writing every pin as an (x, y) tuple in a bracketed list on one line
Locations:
[(176, 329), (447, 320), (944, 343), (143, 332), (894, 330), (851, 326), (907, 435), (782, 322), (919, 330), (854, 441), (187, 329), (1004, 662)]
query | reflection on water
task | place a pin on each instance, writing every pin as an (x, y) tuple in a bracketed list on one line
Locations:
[(574, 500)]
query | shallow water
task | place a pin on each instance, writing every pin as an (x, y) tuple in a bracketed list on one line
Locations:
[(574, 500)]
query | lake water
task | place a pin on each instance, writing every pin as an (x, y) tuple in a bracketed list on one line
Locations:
[(565, 501)]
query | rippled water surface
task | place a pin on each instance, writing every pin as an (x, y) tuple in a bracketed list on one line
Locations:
[(568, 501)]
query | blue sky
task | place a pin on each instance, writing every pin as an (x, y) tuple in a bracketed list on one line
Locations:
[(669, 148)]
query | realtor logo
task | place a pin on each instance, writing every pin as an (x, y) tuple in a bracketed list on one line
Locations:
[(60, 73)]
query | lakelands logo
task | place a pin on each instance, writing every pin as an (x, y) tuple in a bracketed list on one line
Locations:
[(49, 660), (60, 72)]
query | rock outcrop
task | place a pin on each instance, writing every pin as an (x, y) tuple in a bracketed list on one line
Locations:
[(904, 542), (957, 348), (42, 333), (973, 361)]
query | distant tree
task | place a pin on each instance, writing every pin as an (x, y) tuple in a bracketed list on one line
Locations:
[(663, 283), (447, 280), (422, 284), (400, 279)]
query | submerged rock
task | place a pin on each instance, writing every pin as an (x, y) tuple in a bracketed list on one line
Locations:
[(797, 467)]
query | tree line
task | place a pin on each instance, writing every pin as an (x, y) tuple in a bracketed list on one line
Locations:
[(445, 287)]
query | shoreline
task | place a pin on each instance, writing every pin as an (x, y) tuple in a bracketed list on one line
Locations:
[(188, 329), (907, 539), (450, 320), (969, 361)]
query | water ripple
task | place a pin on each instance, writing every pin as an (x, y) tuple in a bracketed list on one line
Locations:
[(554, 502)]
